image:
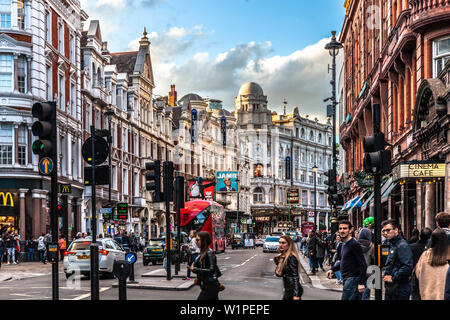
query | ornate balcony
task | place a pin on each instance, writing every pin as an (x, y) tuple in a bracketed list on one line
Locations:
[(424, 12)]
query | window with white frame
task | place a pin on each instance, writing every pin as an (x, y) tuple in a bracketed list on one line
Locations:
[(6, 143), (72, 48), (21, 14), (321, 199), (114, 177), (258, 195), (22, 145), (311, 178), (119, 97), (48, 26), (61, 37), (6, 72), (22, 69), (48, 85), (125, 182), (302, 176), (74, 160), (61, 90), (73, 100), (304, 197), (441, 54), (313, 196), (5, 20)]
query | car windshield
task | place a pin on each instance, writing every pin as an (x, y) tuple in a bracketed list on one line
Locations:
[(156, 243), (272, 239), (82, 245)]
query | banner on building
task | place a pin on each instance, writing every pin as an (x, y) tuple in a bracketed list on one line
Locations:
[(258, 170), (227, 181), (194, 190)]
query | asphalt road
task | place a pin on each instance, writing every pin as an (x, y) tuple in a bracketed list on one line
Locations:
[(247, 274)]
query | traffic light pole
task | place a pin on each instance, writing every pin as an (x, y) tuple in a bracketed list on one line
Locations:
[(334, 225), (168, 231), (54, 205), (94, 246)]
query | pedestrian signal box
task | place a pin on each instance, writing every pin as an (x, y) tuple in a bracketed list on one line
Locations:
[(52, 255)]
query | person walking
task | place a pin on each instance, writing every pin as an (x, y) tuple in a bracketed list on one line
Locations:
[(42, 249), (287, 266), (62, 247), (417, 249), (312, 251), (2, 249), (353, 265), (367, 246), (206, 269), (337, 247), (399, 263), (432, 268), (30, 246), (11, 247), (415, 236), (321, 246), (193, 252)]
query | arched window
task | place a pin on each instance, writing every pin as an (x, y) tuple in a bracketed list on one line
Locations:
[(320, 138), (311, 135), (303, 133), (258, 195)]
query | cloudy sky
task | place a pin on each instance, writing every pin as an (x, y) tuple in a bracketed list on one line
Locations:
[(212, 47)]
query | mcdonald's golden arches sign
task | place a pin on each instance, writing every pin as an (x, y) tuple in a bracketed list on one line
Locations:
[(65, 188), (4, 197)]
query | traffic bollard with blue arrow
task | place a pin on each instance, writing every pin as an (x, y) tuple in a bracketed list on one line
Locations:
[(131, 258)]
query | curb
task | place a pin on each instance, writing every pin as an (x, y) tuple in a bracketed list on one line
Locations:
[(315, 281)]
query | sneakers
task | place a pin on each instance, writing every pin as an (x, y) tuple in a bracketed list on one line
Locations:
[(186, 278), (15, 262)]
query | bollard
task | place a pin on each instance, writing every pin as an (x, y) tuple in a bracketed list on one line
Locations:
[(131, 258), (122, 270)]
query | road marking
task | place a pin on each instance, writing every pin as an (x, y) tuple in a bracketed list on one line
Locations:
[(155, 271), (88, 294)]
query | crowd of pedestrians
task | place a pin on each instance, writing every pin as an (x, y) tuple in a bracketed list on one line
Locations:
[(417, 269)]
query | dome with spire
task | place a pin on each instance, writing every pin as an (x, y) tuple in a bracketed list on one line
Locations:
[(251, 88)]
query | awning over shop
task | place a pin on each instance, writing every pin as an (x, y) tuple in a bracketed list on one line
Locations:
[(351, 203), (359, 202), (385, 195), (386, 189)]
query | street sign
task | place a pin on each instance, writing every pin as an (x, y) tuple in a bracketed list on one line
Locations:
[(46, 165), (131, 257), (122, 211), (105, 210), (65, 188)]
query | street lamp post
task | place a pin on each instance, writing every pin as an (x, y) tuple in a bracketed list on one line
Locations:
[(109, 114), (315, 192), (333, 47), (237, 205)]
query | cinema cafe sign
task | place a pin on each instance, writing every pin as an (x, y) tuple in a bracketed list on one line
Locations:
[(419, 171)]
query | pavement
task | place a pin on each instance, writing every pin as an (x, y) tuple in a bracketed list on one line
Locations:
[(25, 270), (320, 280)]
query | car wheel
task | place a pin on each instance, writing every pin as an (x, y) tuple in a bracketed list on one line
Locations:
[(145, 264), (153, 263)]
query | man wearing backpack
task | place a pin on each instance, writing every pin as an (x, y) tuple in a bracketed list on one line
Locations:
[(42, 249)]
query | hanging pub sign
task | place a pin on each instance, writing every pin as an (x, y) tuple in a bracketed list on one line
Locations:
[(419, 171)]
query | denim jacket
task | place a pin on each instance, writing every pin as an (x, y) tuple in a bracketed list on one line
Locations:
[(399, 263)]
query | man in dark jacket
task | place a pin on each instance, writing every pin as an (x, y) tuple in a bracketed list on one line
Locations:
[(399, 263), (353, 265), (312, 252), (447, 286), (417, 249), (367, 246)]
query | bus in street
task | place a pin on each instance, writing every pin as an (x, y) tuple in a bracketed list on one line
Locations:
[(204, 215)]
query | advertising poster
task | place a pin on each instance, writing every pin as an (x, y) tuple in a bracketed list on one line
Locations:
[(194, 190), (227, 181)]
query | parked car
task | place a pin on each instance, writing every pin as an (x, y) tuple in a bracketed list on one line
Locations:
[(271, 244), (260, 241), (77, 257), (278, 233), (154, 251), (237, 240)]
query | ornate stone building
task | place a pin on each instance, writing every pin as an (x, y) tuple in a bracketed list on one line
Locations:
[(40, 60), (394, 52)]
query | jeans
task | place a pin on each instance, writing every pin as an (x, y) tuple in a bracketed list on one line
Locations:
[(30, 255), (320, 262), (313, 264), (350, 291), (11, 255), (42, 256), (402, 292), (338, 273), (366, 294)]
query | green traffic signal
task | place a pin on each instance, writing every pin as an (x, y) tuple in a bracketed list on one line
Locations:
[(41, 147)]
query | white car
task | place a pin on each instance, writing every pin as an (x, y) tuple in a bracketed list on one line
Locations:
[(77, 257), (271, 244)]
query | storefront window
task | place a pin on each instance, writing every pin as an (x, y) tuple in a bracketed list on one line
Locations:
[(441, 54), (6, 143)]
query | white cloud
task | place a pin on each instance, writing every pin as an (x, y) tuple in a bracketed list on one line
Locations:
[(177, 33), (300, 77)]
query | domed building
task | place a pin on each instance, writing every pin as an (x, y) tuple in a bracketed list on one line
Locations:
[(282, 150)]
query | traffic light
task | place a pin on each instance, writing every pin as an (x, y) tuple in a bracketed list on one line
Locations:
[(331, 182), (168, 180), (45, 129), (376, 159), (153, 177), (59, 210)]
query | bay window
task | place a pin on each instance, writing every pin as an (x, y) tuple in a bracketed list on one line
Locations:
[(441, 54), (6, 143)]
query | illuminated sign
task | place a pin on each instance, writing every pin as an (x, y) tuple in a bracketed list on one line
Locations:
[(5, 197), (65, 188), (122, 211), (293, 195), (227, 181), (419, 170)]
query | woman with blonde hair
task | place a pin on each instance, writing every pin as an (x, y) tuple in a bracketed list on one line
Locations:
[(431, 270), (288, 263)]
